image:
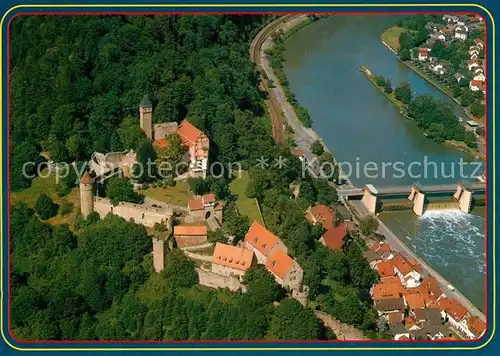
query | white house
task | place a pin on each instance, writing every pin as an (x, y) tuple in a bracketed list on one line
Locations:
[(474, 50), (462, 20), (437, 68), (450, 18), (423, 54), (461, 32), (472, 63), (479, 43), (476, 85), (459, 77), (456, 314), (479, 76)]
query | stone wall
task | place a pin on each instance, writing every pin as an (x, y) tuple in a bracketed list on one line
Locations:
[(185, 240), (227, 271), (213, 280), (140, 214)]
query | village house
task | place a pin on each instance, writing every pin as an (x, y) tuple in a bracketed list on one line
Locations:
[(450, 18), (320, 214), (458, 77), (399, 332), (476, 85), (429, 289), (299, 154), (373, 258), (406, 272), (197, 142), (386, 291), (472, 64), (431, 315), (228, 260), (285, 269), (334, 238), (461, 32), (205, 207), (437, 68), (386, 269), (188, 235), (390, 305), (395, 318), (476, 327), (462, 21), (263, 242), (414, 300), (478, 74), (479, 43), (423, 54), (455, 313)]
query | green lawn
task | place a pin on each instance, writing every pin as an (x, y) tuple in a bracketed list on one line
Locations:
[(391, 36), (48, 186), (246, 206), (178, 195)]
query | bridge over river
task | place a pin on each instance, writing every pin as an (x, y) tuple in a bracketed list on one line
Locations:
[(479, 188)]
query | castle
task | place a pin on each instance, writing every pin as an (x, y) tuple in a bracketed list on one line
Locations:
[(197, 142)]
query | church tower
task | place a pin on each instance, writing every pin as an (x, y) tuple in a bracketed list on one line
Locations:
[(158, 254), (146, 116), (86, 195)]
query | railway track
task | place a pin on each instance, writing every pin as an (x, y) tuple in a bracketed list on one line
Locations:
[(274, 108)]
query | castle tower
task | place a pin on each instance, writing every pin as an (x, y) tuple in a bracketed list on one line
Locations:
[(146, 116), (417, 197), (370, 198), (158, 254), (86, 195)]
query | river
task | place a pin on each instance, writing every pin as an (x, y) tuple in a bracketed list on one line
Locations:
[(369, 136)]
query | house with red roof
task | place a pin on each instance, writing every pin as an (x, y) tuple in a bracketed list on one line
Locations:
[(423, 54), (189, 235), (406, 272), (285, 269), (455, 313), (386, 269), (320, 214), (195, 140), (228, 260), (263, 242), (334, 238), (476, 327), (386, 291), (204, 208), (476, 85)]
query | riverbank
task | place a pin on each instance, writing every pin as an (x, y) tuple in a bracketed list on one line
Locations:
[(459, 145), (389, 40), (304, 136)]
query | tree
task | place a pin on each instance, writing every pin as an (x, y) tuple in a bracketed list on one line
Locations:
[(262, 286), (403, 93), (380, 81), (291, 321), (477, 109), (130, 133), (307, 192), (480, 131), (467, 98), (179, 271), (145, 168), (404, 54), (121, 189), (388, 86), (198, 185), (174, 152), (317, 148), (456, 91), (45, 207), (368, 225)]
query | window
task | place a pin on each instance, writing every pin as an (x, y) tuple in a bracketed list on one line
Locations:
[(274, 263), (256, 239), (264, 245)]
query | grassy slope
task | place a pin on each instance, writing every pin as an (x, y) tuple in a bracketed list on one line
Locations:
[(246, 206)]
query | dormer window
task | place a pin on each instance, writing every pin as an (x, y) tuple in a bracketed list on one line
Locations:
[(256, 239), (274, 263), (264, 245)]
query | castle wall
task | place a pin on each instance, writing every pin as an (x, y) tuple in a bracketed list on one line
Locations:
[(227, 271), (293, 279), (213, 280), (140, 214), (164, 129)]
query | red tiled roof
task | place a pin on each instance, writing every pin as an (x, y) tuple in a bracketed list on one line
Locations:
[(209, 198), (188, 133), (386, 291), (195, 204), (409, 322), (476, 326), (472, 61), (279, 263), (162, 143), (297, 153), (402, 264), (86, 179), (261, 238), (334, 237), (219, 205), (393, 279), (395, 318), (232, 256), (453, 308), (321, 214), (190, 230), (415, 300), (386, 269), (476, 83), (383, 248)]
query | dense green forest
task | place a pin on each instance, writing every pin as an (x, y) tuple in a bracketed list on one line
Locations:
[(75, 79), (76, 85), (101, 286)]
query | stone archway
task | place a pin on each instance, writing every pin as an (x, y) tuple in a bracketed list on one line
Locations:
[(208, 214)]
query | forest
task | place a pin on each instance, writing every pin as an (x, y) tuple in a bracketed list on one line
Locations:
[(76, 86)]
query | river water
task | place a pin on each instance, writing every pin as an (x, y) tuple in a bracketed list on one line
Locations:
[(377, 145)]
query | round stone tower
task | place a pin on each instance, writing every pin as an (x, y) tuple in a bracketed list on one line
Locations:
[(86, 195)]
